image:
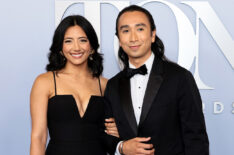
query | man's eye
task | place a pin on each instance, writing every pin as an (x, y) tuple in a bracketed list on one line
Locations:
[(140, 29), (125, 31)]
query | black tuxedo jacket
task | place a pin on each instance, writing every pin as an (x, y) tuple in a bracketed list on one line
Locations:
[(171, 114)]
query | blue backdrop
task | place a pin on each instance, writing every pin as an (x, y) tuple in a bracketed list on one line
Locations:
[(26, 31)]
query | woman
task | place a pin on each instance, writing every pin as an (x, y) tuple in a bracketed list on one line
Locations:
[(68, 98)]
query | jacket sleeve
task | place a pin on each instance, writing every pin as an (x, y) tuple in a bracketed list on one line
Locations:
[(110, 142), (191, 117)]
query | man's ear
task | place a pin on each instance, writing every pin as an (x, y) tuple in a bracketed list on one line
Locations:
[(153, 36), (120, 43)]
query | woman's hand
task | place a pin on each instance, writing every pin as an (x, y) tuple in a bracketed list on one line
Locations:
[(111, 128)]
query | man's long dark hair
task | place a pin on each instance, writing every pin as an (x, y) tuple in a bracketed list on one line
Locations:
[(157, 47), (58, 61)]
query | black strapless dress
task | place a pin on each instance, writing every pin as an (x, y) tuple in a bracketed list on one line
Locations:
[(71, 134)]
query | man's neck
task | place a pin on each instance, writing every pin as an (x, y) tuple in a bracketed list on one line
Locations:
[(137, 62)]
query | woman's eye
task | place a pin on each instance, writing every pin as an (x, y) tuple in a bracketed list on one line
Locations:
[(83, 40), (67, 41)]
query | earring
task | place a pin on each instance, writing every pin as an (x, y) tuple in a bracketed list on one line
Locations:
[(91, 55), (64, 59), (61, 53)]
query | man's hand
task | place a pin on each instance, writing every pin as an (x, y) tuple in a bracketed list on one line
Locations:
[(136, 146)]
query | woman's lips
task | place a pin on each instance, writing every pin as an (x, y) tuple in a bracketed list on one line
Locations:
[(77, 55)]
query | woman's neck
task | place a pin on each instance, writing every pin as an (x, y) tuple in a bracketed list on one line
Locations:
[(77, 70)]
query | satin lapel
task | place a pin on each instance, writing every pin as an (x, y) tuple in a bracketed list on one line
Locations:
[(154, 83), (126, 102)]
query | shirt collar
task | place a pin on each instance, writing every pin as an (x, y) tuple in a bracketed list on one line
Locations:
[(148, 63)]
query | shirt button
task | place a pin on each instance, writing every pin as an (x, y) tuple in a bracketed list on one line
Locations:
[(139, 107), (139, 87)]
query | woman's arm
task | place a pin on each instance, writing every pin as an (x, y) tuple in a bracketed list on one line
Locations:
[(38, 107)]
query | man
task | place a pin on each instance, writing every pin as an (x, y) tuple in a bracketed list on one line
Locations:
[(156, 103)]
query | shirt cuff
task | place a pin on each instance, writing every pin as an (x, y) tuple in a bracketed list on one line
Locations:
[(117, 149)]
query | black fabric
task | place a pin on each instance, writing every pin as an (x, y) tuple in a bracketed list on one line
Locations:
[(55, 89), (126, 103), (171, 113), (130, 72), (71, 134)]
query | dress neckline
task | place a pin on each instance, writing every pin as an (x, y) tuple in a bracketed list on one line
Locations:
[(74, 99), (75, 103)]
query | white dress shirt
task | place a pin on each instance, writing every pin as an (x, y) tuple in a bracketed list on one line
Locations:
[(138, 85)]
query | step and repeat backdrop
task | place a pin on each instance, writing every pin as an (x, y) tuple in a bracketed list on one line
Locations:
[(198, 35)]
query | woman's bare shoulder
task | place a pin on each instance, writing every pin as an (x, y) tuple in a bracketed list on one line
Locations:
[(103, 82), (44, 78), (43, 82)]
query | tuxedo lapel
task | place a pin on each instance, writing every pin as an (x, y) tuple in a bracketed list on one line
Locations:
[(126, 102), (154, 83)]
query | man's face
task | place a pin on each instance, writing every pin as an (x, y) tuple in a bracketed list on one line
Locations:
[(135, 36)]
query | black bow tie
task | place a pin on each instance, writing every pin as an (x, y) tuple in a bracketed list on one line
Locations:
[(131, 72)]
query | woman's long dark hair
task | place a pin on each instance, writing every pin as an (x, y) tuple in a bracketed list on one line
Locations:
[(157, 47), (57, 61)]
